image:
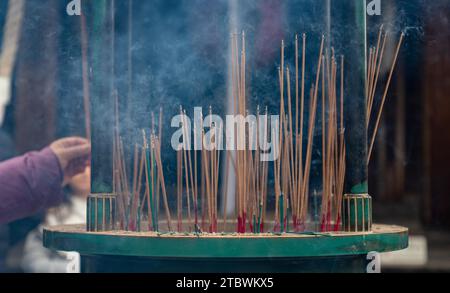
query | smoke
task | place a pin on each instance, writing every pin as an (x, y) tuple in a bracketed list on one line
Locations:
[(179, 54)]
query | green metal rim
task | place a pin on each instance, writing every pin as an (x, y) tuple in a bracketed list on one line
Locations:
[(73, 238)]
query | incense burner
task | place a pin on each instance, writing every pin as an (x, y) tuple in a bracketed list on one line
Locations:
[(119, 251), (130, 193)]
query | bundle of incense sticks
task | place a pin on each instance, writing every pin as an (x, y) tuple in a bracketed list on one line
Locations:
[(147, 167), (120, 180), (374, 64), (250, 171), (238, 84), (190, 186), (292, 175), (291, 172), (154, 182), (333, 145), (198, 170), (120, 184)]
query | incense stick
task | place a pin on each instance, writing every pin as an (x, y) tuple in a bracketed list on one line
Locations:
[(383, 100), (300, 155), (157, 148), (135, 196), (186, 170), (372, 95), (85, 74), (313, 109), (179, 189), (148, 182), (324, 148)]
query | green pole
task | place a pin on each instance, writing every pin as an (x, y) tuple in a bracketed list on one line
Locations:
[(101, 104), (348, 27)]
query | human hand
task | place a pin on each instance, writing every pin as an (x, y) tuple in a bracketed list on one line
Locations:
[(73, 154), (80, 185)]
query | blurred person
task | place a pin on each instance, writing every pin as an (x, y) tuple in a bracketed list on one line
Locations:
[(34, 182), (38, 259)]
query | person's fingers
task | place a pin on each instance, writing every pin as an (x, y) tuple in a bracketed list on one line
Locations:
[(75, 170), (75, 167), (75, 152), (73, 141)]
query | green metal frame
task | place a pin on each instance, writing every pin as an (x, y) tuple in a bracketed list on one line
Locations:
[(101, 210), (74, 238), (357, 213)]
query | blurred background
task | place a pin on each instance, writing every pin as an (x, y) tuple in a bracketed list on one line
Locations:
[(409, 173)]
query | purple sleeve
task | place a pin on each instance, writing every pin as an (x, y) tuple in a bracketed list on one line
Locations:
[(29, 184)]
